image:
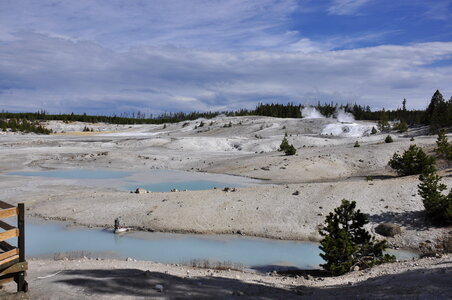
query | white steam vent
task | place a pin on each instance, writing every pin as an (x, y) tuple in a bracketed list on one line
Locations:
[(344, 117), (310, 112), (347, 130), (346, 126)]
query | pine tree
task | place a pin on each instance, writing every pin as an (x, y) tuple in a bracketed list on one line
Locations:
[(389, 139), (436, 112), (284, 144), (444, 148), (288, 149), (346, 243), (413, 161), (374, 131), (437, 205)]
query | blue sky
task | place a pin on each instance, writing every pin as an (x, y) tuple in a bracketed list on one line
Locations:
[(166, 55)]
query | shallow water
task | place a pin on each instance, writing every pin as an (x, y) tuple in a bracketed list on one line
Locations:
[(257, 253), (153, 180)]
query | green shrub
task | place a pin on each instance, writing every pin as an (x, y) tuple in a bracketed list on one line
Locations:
[(288, 149), (346, 243), (389, 139), (437, 205), (356, 145), (413, 161)]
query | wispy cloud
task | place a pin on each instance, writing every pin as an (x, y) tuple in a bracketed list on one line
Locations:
[(346, 7), (233, 24), (166, 55), (60, 75)]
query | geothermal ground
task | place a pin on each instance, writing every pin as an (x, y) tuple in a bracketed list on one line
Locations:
[(298, 193)]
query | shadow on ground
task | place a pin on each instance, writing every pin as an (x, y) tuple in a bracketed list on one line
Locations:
[(414, 284), (137, 283), (416, 220)]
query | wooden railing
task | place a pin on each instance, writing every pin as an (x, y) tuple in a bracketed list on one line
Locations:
[(12, 259)]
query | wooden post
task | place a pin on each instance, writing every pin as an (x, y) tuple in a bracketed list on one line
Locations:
[(22, 285)]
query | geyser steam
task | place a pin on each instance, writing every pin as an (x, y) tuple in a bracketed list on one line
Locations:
[(346, 126), (344, 117), (310, 112)]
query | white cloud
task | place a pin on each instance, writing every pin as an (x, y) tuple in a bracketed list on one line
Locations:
[(346, 7), (60, 75), (205, 24)]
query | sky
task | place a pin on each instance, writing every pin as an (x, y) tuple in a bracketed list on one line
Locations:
[(114, 56)]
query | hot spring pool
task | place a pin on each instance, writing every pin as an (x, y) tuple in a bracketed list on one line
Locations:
[(152, 180), (256, 253)]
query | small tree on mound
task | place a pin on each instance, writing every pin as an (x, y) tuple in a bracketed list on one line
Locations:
[(288, 149), (413, 161), (346, 243), (389, 139), (373, 131), (437, 205), (356, 145)]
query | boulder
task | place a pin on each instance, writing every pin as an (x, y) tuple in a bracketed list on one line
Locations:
[(388, 229)]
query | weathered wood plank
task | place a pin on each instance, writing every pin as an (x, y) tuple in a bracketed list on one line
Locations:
[(8, 212), (21, 229), (6, 280), (5, 246), (9, 234), (4, 205), (7, 260), (9, 253), (6, 226), (19, 267)]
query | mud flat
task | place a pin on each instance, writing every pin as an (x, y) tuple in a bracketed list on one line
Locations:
[(299, 192)]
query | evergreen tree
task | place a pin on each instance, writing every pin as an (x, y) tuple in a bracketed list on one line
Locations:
[(346, 243), (436, 112), (413, 161), (374, 131), (444, 148), (383, 123), (388, 139), (288, 149), (437, 205)]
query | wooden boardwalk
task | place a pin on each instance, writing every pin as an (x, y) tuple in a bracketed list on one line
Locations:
[(13, 265)]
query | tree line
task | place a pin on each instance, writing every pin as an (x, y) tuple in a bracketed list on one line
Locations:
[(438, 114)]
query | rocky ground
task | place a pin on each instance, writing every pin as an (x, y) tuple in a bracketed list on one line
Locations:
[(298, 192)]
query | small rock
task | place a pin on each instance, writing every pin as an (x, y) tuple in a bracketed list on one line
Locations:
[(159, 288), (356, 268), (141, 191), (388, 229), (296, 193)]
